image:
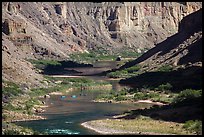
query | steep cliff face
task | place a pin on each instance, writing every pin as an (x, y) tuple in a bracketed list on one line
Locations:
[(56, 29), (76, 26), (181, 49)]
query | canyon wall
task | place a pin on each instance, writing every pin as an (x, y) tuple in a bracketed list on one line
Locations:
[(53, 30)]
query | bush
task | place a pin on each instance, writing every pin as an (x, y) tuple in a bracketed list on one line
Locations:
[(188, 94), (11, 89), (194, 126), (164, 87), (41, 64), (140, 96), (120, 98), (133, 69), (166, 68), (11, 132)]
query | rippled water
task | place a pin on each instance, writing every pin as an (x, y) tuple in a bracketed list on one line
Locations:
[(65, 115)]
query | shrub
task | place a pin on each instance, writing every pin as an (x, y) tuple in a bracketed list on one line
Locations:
[(120, 98), (194, 126), (11, 132), (41, 64), (140, 96), (187, 95), (133, 69), (166, 68), (11, 89), (164, 87)]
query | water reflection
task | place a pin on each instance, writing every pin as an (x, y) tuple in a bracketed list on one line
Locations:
[(64, 116)]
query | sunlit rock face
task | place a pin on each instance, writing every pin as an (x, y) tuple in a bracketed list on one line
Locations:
[(80, 26), (53, 30)]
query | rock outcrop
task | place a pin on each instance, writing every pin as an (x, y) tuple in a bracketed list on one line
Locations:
[(46, 30), (182, 51), (183, 48)]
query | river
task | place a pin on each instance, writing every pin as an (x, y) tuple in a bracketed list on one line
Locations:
[(64, 115)]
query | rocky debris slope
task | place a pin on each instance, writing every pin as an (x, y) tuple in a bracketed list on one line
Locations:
[(62, 27), (177, 60), (53, 30), (183, 49)]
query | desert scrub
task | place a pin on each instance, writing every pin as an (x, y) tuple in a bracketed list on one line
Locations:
[(164, 87), (141, 124), (13, 129), (166, 68), (91, 57), (188, 94), (113, 95), (76, 82), (11, 89), (41, 64), (194, 126), (125, 73)]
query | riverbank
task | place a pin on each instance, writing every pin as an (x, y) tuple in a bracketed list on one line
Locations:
[(104, 130), (138, 126), (107, 131), (130, 101), (13, 116)]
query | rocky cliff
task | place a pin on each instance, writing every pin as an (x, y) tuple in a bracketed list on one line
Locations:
[(181, 49), (56, 29), (182, 52)]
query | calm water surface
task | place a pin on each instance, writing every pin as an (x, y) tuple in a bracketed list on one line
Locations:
[(64, 115)]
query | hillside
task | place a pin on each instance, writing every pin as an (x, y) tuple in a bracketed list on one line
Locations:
[(43, 30), (142, 60), (181, 53)]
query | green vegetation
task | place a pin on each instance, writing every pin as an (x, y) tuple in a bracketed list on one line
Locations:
[(13, 129), (164, 87), (138, 94), (41, 64), (188, 94), (144, 96), (129, 54), (10, 89), (113, 95), (142, 124), (194, 126), (29, 104), (102, 55), (125, 73), (91, 57), (166, 68), (11, 132)]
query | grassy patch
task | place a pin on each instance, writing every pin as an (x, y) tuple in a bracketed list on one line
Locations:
[(194, 126), (11, 89), (188, 94), (141, 124), (138, 94), (101, 55), (13, 129), (164, 87), (91, 57), (125, 73), (41, 64), (166, 68)]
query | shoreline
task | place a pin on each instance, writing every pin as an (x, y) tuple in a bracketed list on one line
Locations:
[(107, 131), (17, 117), (139, 101)]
